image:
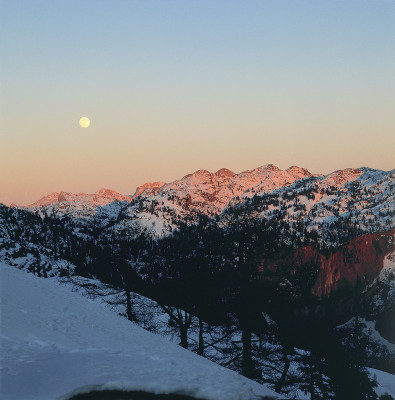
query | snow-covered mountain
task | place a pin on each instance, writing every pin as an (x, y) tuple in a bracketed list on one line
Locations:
[(156, 207), (365, 196), (148, 189), (332, 206), (209, 193), (99, 198), (201, 191), (75, 205), (294, 196), (164, 209)]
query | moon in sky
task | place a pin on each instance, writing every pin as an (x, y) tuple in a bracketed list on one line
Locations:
[(85, 122)]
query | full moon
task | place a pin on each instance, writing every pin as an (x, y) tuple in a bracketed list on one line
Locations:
[(85, 122)]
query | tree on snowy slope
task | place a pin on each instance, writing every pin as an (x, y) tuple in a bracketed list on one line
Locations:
[(349, 378), (181, 320), (314, 380), (333, 369)]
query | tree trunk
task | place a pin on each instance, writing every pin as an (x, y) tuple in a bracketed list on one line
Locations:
[(247, 368), (246, 317), (129, 312), (184, 336), (281, 382), (200, 348)]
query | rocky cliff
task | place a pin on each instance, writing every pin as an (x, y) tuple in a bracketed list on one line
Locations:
[(320, 274)]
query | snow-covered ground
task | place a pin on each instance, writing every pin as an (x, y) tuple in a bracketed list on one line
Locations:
[(385, 381), (54, 341)]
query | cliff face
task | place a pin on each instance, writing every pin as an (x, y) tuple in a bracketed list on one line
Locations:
[(323, 274), (360, 259)]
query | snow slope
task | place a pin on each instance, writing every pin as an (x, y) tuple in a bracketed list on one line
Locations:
[(54, 341), (386, 382)]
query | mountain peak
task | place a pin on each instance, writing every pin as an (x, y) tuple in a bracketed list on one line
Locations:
[(201, 172), (63, 196), (148, 188), (268, 167), (99, 198), (106, 192), (199, 175), (298, 172), (225, 173), (342, 176), (105, 196), (46, 200)]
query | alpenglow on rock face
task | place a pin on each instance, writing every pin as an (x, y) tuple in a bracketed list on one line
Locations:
[(156, 209), (202, 191), (99, 198)]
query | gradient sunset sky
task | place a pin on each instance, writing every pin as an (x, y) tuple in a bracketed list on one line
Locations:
[(175, 86)]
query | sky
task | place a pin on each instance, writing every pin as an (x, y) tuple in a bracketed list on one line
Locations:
[(174, 86)]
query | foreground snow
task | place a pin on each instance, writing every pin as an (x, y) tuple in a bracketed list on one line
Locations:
[(385, 381), (54, 341)]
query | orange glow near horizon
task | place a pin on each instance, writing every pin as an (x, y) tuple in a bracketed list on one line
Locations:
[(180, 87)]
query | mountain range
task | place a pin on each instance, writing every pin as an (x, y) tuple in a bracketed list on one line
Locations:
[(364, 196), (205, 191)]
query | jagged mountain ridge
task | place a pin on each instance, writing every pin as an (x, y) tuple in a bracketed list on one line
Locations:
[(99, 198), (149, 188), (363, 199), (210, 193), (293, 195), (313, 203), (201, 192)]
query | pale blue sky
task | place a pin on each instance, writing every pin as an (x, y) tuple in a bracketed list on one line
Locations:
[(175, 86)]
